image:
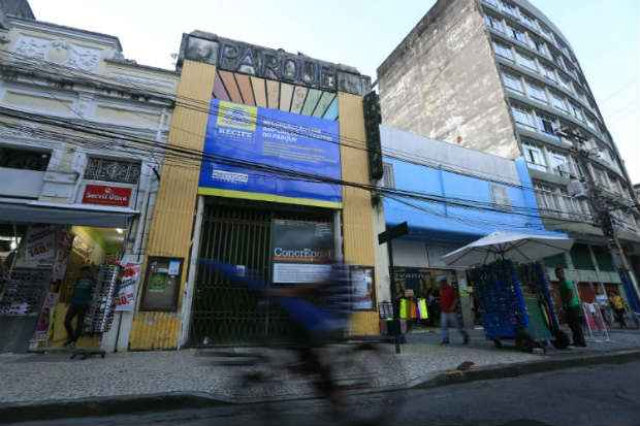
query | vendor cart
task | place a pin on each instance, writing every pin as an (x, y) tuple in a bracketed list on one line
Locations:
[(512, 287)]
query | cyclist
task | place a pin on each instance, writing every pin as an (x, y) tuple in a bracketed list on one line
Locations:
[(320, 313)]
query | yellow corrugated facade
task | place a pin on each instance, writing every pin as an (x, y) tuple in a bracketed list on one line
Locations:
[(171, 229), (357, 213), (170, 233)]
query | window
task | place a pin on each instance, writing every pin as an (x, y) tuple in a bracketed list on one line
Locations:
[(537, 92), (549, 73), (388, 177), (546, 124), (512, 82), (500, 197), (591, 124), (25, 159), (601, 178), (493, 3), (541, 47), (576, 111), (548, 199), (495, 23), (528, 19), (566, 83), (558, 102), (112, 170), (510, 9), (580, 94), (615, 184), (526, 61), (503, 50), (523, 117), (534, 157), (559, 164), (518, 35), (546, 32)]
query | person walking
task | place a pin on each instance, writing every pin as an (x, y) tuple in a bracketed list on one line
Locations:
[(617, 304), (80, 301), (571, 307), (448, 315)]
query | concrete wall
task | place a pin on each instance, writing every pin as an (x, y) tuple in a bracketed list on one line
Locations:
[(442, 82)]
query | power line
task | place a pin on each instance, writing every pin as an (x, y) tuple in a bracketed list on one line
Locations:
[(410, 158), (195, 157)]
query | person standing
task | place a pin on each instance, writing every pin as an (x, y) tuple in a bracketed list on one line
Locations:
[(448, 314), (571, 307), (617, 304), (80, 301)]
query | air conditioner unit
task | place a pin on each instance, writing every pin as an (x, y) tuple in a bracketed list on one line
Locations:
[(577, 189)]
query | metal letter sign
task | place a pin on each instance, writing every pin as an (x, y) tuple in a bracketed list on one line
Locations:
[(259, 137)]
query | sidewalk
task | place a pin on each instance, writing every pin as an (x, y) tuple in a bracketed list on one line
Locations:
[(51, 378)]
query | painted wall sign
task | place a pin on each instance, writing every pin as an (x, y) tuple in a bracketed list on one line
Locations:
[(272, 64), (273, 138), (107, 195)]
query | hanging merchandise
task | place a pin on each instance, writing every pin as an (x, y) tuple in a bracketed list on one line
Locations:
[(24, 292), (413, 309), (501, 300), (423, 313), (404, 309), (100, 316)]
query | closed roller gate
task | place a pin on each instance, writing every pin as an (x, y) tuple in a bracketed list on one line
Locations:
[(239, 233)]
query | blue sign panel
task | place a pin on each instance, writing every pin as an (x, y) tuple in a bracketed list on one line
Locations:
[(262, 136)]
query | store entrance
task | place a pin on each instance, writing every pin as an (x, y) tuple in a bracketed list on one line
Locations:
[(239, 233), (39, 267)]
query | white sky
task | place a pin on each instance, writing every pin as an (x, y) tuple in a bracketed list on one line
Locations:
[(605, 35)]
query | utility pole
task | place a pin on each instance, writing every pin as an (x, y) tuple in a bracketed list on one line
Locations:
[(602, 212), (387, 237)]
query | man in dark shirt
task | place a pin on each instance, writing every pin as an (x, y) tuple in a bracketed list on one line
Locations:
[(448, 311), (80, 301)]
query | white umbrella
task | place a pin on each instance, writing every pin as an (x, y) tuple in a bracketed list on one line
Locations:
[(522, 248)]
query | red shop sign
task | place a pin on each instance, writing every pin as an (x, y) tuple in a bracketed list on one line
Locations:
[(107, 195)]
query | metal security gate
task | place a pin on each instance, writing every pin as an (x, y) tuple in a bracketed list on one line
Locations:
[(238, 233)]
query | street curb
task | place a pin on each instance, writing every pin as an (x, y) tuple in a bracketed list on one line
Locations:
[(106, 406), (127, 404), (502, 371)]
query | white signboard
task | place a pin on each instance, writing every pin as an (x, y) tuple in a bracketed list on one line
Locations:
[(300, 273), (126, 295)]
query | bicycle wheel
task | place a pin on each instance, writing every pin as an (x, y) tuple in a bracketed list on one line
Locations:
[(363, 368)]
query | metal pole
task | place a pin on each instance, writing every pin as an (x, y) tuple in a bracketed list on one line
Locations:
[(396, 314), (603, 215)]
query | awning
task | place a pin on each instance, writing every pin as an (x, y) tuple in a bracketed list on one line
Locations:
[(26, 212)]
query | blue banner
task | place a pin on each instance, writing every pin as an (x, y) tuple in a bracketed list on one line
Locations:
[(270, 137)]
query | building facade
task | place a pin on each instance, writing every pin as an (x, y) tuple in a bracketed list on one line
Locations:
[(78, 170), (499, 76), (473, 194), (271, 135)]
